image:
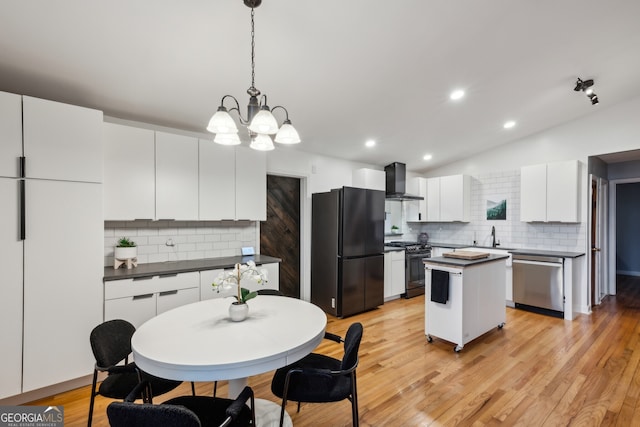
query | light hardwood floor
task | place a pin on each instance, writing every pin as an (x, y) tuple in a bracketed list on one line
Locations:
[(537, 371)]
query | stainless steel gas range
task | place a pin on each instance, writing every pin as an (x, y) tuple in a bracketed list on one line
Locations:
[(414, 268)]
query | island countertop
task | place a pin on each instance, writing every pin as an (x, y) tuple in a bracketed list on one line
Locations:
[(455, 262), (174, 267)]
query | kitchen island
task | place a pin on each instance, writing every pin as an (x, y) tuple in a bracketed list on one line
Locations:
[(464, 297)]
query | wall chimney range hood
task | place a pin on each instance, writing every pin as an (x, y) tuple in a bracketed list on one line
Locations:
[(396, 183)]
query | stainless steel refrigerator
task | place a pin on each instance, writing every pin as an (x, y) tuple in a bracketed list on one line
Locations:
[(347, 250)]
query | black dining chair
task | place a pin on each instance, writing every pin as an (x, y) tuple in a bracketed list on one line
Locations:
[(111, 345), (184, 411), (317, 378), (269, 292)]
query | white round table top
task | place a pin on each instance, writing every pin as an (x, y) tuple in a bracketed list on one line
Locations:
[(198, 342)]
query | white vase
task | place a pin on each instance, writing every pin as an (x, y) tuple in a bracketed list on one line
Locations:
[(238, 311), (125, 253)]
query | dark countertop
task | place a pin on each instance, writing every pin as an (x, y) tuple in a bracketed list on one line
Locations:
[(542, 252), (459, 246), (173, 267), (392, 248), (448, 245), (455, 262)]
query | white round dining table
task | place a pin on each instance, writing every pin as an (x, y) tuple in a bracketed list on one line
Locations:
[(199, 342)]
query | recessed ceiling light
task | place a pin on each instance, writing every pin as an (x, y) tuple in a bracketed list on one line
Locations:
[(370, 143), (457, 94), (427, 157), (509, 124)]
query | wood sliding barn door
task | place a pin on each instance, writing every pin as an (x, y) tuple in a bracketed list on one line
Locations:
[(280, 233)]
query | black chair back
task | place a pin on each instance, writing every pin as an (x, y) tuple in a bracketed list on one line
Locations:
[(351, 346), (127, 414), (111, 341)]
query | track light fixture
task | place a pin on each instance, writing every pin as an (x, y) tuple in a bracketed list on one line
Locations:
[(586, 86)]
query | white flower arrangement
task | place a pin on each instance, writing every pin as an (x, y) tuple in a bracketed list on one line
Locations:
[(229, 279)]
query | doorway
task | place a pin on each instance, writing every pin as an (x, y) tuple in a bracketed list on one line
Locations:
[(598, 239), (280, 233)]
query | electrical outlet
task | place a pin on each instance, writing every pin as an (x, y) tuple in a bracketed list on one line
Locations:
[(333, 303)]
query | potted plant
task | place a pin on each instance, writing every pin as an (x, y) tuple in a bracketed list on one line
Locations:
[(239, 309), (125, 249)]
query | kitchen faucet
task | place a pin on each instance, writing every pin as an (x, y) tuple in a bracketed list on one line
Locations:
[(493, 237)]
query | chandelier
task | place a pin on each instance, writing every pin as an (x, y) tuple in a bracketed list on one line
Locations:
[(260, 120)]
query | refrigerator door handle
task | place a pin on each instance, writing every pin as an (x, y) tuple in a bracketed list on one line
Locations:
[(23, 220)]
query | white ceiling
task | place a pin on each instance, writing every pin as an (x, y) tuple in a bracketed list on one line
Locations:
[(347, 71)]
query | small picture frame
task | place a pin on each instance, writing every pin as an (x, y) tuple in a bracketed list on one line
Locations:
[(248, 250), (496, 208)]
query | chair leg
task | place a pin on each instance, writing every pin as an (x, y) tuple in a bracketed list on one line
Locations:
[(298, 407), (93, 397), (193, 389), (215, 388), (354, 401)]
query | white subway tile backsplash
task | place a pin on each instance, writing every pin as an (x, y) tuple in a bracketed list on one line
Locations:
[(191, 239)]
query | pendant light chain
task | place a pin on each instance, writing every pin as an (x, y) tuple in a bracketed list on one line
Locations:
[(253, 51)]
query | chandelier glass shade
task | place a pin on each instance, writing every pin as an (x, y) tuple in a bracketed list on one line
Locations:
[(260, 121)]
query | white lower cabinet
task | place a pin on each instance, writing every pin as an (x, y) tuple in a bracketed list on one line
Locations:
[(63, 253), (10, 292), (394, 274), (138, 300)]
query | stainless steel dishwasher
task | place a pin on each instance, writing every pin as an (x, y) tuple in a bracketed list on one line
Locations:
[(538, 283)]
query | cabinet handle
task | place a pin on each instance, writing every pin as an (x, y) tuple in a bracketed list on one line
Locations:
[(136, 297), (166, 219), (136, 279), (174, 292), (168, 275), (23, 205), (22, 167)]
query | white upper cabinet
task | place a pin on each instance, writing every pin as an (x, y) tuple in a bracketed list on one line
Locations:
[(449, 198), (61, 141), (417, 209), (369, 178), (533, 193), (251, 184), (563, 180), (217, 181), (176, 177), (549, 192), (433, 199), (10, 134), (455, 198), (129, 173)]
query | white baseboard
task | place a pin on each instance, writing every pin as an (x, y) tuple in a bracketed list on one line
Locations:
[(628, 273), (41, 393)]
